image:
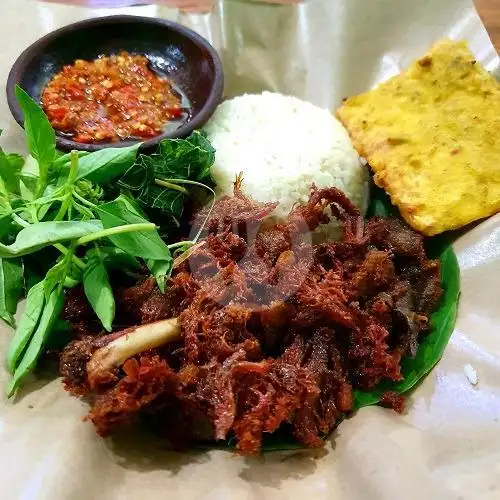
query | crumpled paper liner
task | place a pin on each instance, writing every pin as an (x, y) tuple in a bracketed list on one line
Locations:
[(446, 447)]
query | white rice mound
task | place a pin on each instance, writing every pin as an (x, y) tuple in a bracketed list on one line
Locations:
[(282, 145)]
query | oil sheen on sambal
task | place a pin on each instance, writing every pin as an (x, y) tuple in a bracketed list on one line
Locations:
[(110, 99)]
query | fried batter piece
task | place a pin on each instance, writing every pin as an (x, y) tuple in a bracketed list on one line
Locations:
[(429, 134), (273, 331)]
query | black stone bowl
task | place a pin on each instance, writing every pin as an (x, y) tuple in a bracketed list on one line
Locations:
[(174, 51)]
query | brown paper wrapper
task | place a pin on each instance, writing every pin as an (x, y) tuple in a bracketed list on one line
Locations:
[(446, 447)]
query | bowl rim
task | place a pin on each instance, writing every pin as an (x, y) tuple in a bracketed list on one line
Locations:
[(62, 143)]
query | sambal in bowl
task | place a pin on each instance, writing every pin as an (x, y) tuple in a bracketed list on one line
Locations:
[(118, 80)]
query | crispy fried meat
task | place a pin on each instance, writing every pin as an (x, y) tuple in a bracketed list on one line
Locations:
[(273, 329)]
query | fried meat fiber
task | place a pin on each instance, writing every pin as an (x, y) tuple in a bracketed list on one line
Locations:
[(275, 332)]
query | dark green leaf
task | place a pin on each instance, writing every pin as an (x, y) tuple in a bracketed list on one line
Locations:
[(144, 244), (5, 208), (39, 132), (442, 321), (37, 265), (161, 270), (140, 174), (50, 314), (60, 336), (98, 289), (6, 227), (189, 158), (11, 288), (164, 199), (32, 311), (184, 159), (380, 204), (39, 235)]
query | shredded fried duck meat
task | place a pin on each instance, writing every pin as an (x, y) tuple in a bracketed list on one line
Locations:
[(274, 331)]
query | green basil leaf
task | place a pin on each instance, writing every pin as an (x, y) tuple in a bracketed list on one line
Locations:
[(44, 210), (37, 236), (114, 258), (5, 207), (5, 215), (29, 181), (39, 132), (107, 164), (103, 166), (60, 336), (50, 314), (31, 166), (71, 282), (98, 289), (64, 160), (10, 170), (55, 275), (37, 265), (144, 244), (32, 311), (16, 161), (90, 192), (442, 322), (11, 288), (161, 270)]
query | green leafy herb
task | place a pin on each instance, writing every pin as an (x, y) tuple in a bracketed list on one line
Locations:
[(11, 288), (39, 235), (10, 171), (92, 193), (115, 258), (16, 161), (169, 201), (5, 212), (32, 311), (189, 158), (98, 289), (28, 182), (442, 321), (40, 135), (103, 166), (380, 204), (50, 206), (55, 275), (63, 162), (161, 270), (147, 245), (49, 315), (150, 178)]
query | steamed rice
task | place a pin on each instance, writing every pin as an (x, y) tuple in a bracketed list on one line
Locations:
[(282, 145)]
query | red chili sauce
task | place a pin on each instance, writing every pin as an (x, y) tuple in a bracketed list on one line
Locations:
[(110, 99)]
